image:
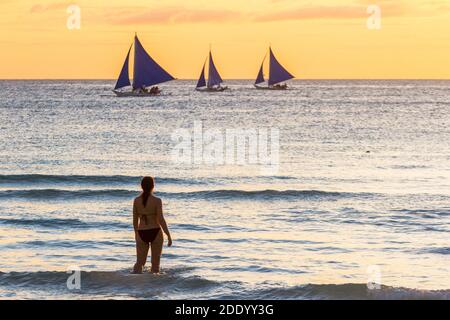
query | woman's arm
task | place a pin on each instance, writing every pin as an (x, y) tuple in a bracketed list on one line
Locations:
[(162, 222), (135, 217)]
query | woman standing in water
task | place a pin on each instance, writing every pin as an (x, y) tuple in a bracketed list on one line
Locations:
[(148, 219)]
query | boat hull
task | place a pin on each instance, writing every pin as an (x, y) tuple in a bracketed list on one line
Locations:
[(271, 88), (219, 89), (135, 94)]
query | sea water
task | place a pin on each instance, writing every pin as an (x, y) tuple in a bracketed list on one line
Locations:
[(358, 206)]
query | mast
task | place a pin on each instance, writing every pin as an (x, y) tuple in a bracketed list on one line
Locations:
[(214, 78)]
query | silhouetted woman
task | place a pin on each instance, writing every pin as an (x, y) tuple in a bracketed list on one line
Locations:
[(148, 219)]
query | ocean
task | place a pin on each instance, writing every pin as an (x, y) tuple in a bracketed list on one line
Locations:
[(357, 207)]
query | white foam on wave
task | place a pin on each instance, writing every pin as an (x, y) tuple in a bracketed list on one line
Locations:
[(179, 282)]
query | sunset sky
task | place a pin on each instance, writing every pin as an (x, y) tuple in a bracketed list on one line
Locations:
[(321, 39)]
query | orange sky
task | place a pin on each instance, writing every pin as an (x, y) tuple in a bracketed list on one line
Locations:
[(321, 39)]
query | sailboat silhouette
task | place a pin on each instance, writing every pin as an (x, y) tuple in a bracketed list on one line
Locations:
[(277, 74), (146, 72), (214, 79)]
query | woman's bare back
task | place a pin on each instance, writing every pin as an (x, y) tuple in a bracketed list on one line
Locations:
[(148, 215)]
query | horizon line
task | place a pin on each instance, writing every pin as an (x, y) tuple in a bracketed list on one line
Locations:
[(232, 79)]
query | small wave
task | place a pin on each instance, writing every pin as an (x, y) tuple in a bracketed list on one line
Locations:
[(347, 292), (124, 180), (99, 180), (425, 213), (410, 167), (72, 244), (264, 177), (55, 194), (174, 282), (74, 223), (442, 250), (259, 269), (58, 223), (20, 179), (109, 283), (258, 194), (191, 227), (52, 194), (61, 223)]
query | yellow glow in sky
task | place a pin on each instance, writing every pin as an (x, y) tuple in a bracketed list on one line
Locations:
[(321, 39)]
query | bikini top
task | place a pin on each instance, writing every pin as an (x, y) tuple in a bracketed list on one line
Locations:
[(146, 213)]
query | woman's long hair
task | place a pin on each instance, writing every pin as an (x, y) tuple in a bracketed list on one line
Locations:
[(147, 184)]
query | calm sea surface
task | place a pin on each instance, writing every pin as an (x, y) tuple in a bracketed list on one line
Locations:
[(362, 192)]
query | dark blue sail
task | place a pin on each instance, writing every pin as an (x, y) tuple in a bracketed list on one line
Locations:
[(146, 71), (201, 81), (260, 78), (124, 78), (277, 72), (214, 78)]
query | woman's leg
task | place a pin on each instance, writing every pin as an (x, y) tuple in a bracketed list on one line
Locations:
[(141, 254), (157, 246)]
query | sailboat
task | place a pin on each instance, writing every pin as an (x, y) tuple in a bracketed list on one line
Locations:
[(277, 74), (146, 72), (214, 79)]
